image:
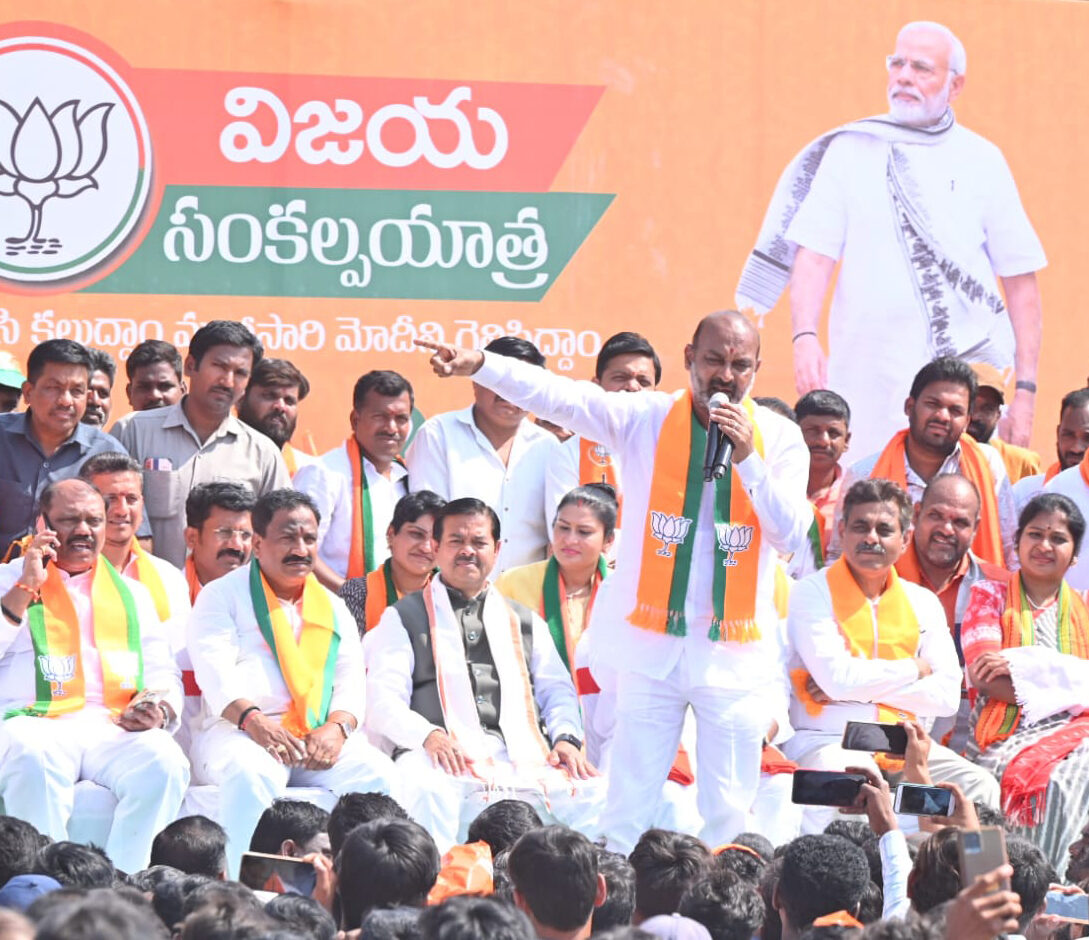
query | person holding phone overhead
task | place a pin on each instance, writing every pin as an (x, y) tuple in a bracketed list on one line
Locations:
[(89, 689), (1026, 646), (869, 646)]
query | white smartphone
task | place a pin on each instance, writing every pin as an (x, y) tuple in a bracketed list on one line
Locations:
[(915, 799)]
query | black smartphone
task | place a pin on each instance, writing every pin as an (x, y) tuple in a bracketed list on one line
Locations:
[(280, 874), (46, 524), (915, 799), (826, 787), (875, 738)]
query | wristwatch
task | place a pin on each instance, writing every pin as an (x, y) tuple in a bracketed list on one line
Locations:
[(568, 738), (346, 728)]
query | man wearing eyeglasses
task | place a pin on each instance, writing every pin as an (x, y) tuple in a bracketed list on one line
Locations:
[(926, 219)]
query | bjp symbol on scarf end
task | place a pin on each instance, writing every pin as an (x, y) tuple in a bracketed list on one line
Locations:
[(733, 539), (669, 530), (58, 670)]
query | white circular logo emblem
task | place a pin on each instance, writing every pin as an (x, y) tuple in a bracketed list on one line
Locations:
[(75, 160)]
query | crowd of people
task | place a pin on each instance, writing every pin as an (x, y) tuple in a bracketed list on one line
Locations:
[(553, 661)]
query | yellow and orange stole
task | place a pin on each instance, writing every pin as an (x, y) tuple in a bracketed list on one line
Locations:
[(58, 664), (307, 664), (672, 517), (897, 635), (892, 465), (148, 576)]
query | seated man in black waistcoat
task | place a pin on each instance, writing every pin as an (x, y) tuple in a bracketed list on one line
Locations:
[(469, 690)]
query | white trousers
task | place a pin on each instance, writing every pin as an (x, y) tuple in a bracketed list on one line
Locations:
[(650, 715), (41, 759), (250, 778), (445, 805)]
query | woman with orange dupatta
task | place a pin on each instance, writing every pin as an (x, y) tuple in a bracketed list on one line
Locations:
[(1026, 648)]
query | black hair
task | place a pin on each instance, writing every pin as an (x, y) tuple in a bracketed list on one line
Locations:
[(870, 490), (19, 844), (385, 863), (169, 896), (202, 499), (626, 343), (76, 865), (102, 361), (222, 915), (101, 914), (907, 928), (65, 352), (195, 845), (465, 506), (665, 864), (821, 874), (555, 870), (599, 498), (1033, 874), (503, 823), (619, 891), (465, 917), (411, 506), (945, 369), (727, 905), (777, 405), (384, 382), (224, 333), (274, 501), (935, 876), (824, 403), (853, 830), (150, 352), (1078, 398), (1053, 502), (760, 844), (392, 923), (296, 820), (108, 462), (230, 894), (872, 905), (773, 923), (278, 372), (354, 809), (45, 500), (747, 865), (305, 916), (514, 347)]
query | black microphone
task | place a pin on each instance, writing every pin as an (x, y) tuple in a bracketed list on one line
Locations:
[(716, 458)]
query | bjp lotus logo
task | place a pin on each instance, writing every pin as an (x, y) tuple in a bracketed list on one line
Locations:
[(600, 456), (733, 539), (57, 670), (75, 160), (669, 530)]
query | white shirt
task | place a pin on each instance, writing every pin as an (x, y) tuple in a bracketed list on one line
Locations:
[(1025, 488), (975, 213), (1070, 483), (451, 456), (629, 426), (177, 598), (916, 486), (390, 661), (17, 673), (232, 660), (328, 482), (857, 685)]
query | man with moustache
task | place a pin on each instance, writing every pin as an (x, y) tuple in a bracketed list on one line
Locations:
[(278, 660), (357, 485), (100, 388), (271, 406), (938, 408), (688, 619), (1071, 443), (47, 442), (925, 219), (218, 532), (78, 643), (986, 411), (898, 662), (461, 681), (198, 440), (825, 420)]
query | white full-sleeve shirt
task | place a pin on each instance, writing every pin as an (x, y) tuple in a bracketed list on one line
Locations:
[(629, 425), (232, 660), (858, 685)]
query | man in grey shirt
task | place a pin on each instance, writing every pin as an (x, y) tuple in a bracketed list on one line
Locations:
[(47, 442), (198, 440)]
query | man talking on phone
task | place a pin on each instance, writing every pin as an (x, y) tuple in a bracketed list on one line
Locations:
[(89, 689), (867, 645)]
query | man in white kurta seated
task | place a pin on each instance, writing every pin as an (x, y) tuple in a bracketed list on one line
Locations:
[(469, 689), (868, 644), (278, 659), (77, 643)]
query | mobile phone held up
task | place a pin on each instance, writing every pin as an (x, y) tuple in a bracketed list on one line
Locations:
[(914, 799), (981, 851), (875, 738), (1069, 907), (280, 874), (826, 787)]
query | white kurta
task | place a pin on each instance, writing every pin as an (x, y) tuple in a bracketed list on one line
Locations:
[(1071, 483), (451, 456), (878, 331), (328, 482)]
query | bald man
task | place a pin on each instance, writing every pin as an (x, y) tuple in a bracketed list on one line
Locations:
[(688, 618)]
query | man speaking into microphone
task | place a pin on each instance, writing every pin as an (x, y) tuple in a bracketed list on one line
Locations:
[(688, 618)]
